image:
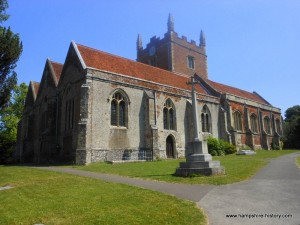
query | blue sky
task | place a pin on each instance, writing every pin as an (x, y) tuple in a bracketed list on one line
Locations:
[(251, 44)]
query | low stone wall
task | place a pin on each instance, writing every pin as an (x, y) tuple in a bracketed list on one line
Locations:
[(120, 154), (98, 155), (161, 154), (102, 155)]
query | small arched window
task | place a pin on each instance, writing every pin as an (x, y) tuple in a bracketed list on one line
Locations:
[(205, 119), (253, 123), (237, 118), (267, 125), (118, 110), (169, 115)]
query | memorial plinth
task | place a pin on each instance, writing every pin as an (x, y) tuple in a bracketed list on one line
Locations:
[(200, 161)]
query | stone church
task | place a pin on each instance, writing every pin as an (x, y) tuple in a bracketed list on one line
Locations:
[(101, 107)]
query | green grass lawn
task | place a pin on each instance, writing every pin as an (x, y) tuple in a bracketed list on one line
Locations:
[(238, 168), (49, 198)]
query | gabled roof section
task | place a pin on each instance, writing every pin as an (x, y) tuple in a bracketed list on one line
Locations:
[(56, 69), (50, 77), (222, 88), (35, 88), (96, 59)]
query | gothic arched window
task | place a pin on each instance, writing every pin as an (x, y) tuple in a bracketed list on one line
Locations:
[(205, 119), (118, 115), (253, 123), (169, 115), (237, 118), (267, 125), (69, 105)]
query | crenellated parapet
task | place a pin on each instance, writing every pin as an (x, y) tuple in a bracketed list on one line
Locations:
[(175, 53)]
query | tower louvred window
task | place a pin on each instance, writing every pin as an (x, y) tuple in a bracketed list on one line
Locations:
[(191, 62)]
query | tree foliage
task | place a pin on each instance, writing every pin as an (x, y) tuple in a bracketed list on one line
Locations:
[(3, 7), (292, 112), (292, 127), (10, 51), (9, 119)]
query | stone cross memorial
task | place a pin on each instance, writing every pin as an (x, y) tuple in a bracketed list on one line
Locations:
[(199, 161)]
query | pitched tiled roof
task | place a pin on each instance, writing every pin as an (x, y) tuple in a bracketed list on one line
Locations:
[(104, 61), (222, 88), (35, 87), (57, 67)]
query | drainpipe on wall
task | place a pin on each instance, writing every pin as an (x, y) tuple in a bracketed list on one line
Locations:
[(155, 110), (154, 128)]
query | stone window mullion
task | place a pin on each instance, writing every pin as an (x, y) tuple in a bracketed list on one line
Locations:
[(119, 110), (169, 115)]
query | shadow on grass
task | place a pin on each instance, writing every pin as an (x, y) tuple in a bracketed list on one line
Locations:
[(156, 175), (39, 164)]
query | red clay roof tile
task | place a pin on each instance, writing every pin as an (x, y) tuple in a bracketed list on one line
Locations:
[(104, 61), (35, 86), (57, 67), (235, 91)]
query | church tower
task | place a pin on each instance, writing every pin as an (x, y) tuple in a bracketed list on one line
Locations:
[(175, 53)]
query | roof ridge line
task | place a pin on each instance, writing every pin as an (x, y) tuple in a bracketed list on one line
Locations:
[(254, 92), (78, 54), (53, 73)]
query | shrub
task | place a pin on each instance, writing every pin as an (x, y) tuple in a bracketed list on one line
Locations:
[(219, 147), (227, 147), (274, 146), (213, 144), (213, 152), (221, 152)]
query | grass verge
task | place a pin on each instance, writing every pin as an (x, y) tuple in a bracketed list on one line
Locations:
[(238, 168), (45, 197)]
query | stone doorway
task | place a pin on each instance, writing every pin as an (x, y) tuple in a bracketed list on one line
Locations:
[(170, 147)]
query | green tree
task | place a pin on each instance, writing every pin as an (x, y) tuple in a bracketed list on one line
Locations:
[(10, 51), (3, 7), (292, 127), (9, 119)]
